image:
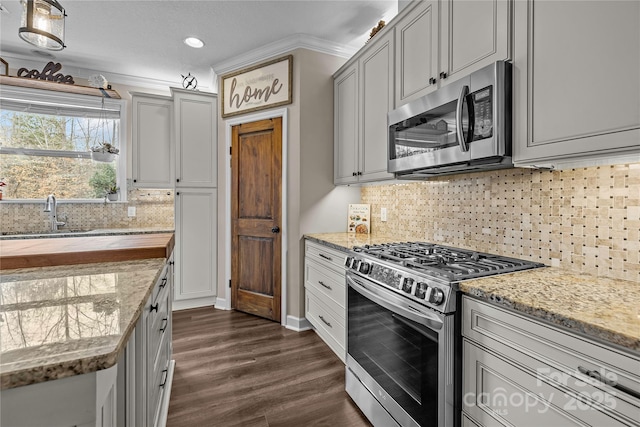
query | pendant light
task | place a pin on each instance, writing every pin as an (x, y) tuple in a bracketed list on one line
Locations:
[(43, 24)]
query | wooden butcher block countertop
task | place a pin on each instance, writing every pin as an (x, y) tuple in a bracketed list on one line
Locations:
[(25, 253)]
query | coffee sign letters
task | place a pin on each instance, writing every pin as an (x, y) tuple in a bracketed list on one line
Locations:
[(266, 85)]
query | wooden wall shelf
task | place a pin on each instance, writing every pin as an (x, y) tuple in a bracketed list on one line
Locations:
[(59, 87)]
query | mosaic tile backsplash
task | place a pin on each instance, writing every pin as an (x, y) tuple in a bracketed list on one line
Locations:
[(154, 209), (586, 220)]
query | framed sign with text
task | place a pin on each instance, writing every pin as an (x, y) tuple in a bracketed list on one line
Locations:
[(261, 86)]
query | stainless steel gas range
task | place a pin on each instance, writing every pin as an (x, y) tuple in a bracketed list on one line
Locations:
[(403, 366)]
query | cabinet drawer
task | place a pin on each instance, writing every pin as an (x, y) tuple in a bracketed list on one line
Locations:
[(327, 324), (558, 357), (162, 283), (325, 283), (325, 256), (500, 392)]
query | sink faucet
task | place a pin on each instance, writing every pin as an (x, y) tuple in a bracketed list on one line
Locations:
[(51, 206)]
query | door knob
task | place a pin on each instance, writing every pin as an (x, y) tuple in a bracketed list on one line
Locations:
[(275, 229)]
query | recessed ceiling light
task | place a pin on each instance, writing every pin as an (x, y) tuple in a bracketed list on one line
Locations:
[(194, 42)]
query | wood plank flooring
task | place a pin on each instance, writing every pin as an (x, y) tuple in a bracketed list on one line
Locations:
[(234, 369)]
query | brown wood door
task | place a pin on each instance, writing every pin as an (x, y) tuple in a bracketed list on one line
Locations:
[(256, 213)]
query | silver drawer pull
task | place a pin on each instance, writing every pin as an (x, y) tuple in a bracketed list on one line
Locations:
[(165, 374), (596, 376), (325, 322), (322, 283), (328, 258), (166, 322)]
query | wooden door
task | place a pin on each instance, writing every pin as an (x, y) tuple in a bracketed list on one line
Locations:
[(256, 213)]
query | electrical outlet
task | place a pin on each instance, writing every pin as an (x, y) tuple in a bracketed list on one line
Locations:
[(383, 214), (131, 211)]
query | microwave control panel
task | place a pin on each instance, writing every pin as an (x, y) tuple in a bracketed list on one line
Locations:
[(483, 111)]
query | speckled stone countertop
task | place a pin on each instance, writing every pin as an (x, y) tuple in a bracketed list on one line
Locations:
[(606, 309), (602, 308), (61, 321), (83, 233), (346, 241)]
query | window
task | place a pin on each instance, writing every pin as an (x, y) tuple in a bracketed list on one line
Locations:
[(46, 140)]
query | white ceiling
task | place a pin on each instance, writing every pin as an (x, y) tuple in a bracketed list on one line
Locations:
[(144, 38)]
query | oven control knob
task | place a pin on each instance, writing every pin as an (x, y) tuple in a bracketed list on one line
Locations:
[(364, 267), (354, 264), (347, 262), (436, 296), (421, 290)]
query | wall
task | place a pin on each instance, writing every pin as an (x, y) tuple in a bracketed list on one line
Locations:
[(154, 208), (313, 203), (586, 220)]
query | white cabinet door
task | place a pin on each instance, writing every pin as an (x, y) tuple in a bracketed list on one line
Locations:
[(473, 34), (576, 85), (345, 125), (152, 148), (416, 52), (376, 100), (195, 249), (195, 116)]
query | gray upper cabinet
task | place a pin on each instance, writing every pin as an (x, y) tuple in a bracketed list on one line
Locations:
[(440, 42), (576, 84), (195, 115), (152, 146), (345, 98), (363, 95), (416, 52)]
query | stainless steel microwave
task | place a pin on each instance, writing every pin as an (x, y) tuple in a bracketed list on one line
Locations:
[(462, 127)]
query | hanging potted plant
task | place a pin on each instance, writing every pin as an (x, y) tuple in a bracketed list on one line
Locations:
[(112, 193), (104, 152)]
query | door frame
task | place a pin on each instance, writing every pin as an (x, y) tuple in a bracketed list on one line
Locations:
[(227, 197)]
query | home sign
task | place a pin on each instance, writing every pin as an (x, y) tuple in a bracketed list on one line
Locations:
[(266, 85)]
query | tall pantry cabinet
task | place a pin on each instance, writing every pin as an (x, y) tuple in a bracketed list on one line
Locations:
[(195, 130), (174, 147)]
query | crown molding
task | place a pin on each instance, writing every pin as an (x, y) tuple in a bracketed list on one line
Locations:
[(285, 45), (29, 61)]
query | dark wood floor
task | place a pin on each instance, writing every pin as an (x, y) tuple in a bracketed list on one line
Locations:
[(234, 369)]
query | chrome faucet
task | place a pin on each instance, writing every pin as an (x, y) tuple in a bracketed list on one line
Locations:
[(51, 206)]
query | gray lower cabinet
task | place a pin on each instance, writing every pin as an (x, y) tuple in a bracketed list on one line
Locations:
[(325, 295), (521, 372)]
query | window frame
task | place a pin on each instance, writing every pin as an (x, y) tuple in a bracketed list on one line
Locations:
[(51, 99)]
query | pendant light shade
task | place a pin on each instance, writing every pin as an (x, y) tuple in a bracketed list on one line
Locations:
[(43, 24)]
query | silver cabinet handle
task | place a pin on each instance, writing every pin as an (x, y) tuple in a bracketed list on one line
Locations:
[(322, 283), (464, 145), (325, 257), (325, 322)]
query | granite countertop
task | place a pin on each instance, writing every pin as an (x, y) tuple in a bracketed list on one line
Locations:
[(346, 241), (601, 308), (63, 232), (67, 320)]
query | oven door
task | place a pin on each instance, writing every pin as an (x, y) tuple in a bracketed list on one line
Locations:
[(398, 352)]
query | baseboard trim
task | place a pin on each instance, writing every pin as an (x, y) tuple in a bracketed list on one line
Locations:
[(222, 304), (298, 324), (193, 303)]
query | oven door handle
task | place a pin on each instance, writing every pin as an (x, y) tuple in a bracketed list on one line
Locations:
[(397, 305)]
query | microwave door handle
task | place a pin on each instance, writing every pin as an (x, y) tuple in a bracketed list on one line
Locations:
[(464, 145), (426, 319)]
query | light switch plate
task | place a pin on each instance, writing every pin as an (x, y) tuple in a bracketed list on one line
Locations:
[(131, 211), (383, 214)]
